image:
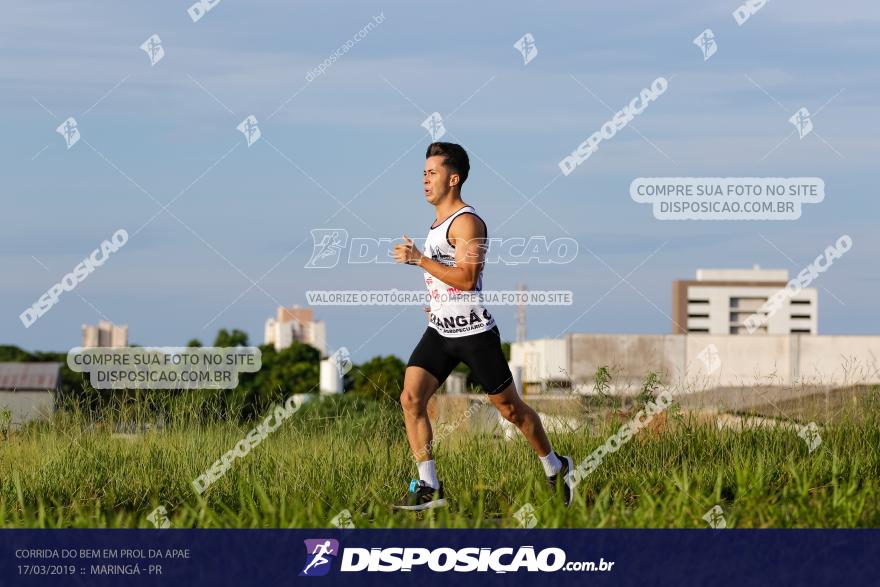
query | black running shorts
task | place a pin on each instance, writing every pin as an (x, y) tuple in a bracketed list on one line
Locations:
[(439, 355)]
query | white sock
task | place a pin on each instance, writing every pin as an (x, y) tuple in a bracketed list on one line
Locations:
[(552, 464), (428, 473)]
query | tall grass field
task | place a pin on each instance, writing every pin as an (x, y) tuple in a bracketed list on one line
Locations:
[(349, 454)]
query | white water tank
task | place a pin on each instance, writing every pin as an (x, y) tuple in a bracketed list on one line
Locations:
[(456, 383), (331, 376)]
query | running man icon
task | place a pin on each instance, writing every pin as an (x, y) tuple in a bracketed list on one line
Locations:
[(317, 563)]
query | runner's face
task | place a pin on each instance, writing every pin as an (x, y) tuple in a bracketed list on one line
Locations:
[(436, 179)]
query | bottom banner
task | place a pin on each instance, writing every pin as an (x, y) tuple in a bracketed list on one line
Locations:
[(561, 557)]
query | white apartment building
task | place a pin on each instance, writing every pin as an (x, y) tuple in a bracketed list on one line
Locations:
[(296, 324), (105, 334)]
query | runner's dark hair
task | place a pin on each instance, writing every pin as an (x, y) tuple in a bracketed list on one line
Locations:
[(455, 158)]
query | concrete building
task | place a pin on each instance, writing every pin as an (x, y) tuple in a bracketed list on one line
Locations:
[(296, 324), (28, 390), (719, 301), (105, 334), (697, 362), (544, 361)]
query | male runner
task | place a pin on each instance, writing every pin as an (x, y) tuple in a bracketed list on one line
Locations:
[(460, 329)]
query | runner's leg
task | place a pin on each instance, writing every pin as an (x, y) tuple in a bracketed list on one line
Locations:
[(418, 387), (513, 409)]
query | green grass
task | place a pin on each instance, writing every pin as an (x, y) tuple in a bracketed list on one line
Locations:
[(351, 453)]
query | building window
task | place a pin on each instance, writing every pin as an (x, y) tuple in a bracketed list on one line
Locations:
[(752, 304), (745, 330), (742, 316)]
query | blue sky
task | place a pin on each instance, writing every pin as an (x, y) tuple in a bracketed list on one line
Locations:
[(169, 131)]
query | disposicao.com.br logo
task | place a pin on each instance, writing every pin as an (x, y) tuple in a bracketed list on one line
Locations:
[(442, 560)]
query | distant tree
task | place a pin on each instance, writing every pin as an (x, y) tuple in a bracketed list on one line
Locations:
[(505, 348), (381, 377), (194, 343), (12, 354), (229, 339), (294, 369)]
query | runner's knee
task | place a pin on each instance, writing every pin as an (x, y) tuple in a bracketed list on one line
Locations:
[(412, 402), (511, 412)]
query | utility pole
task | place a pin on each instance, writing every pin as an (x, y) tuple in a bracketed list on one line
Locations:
[(521, 315)]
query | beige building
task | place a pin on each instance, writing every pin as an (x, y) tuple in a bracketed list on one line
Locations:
[(105, 334), (295, 324), (719, 301)]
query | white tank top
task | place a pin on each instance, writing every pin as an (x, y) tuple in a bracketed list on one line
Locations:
[(452, 314)]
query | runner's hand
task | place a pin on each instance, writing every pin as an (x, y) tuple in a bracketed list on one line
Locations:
[(407, 252)]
